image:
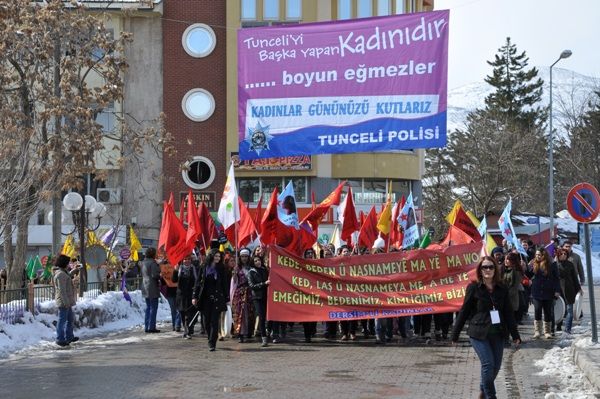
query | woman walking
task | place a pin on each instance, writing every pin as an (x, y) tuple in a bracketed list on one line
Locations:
[(185, 277), (545, 286), (569, 284), (258, 280), (512, 277), (488, 309), (212, 294), (241, 305)]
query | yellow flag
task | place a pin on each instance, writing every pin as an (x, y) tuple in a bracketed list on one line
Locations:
[(489, 240), (134, 244), (385, 219), (92, 239), (69, 247), (452, 215)]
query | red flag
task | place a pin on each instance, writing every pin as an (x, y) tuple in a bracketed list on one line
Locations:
[(349, 221), (456, 236), (171, 200), (162, 238), (368, 232), (208, 229), (182, 210), (193, 221), (315, 216), (464, 223), (396, 231), (245, 227), (269, 220), (174, 235), (258, 216)]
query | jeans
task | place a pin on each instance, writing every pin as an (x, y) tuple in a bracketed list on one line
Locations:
[(547, 305), (64, 327), (175, 315), (151, 309), (569, 319), (384, 328), (489, 352)]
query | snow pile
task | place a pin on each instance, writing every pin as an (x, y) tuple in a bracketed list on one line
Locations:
[(93, 316), (558, 363)]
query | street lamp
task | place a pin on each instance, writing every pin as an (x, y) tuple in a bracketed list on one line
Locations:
[(564, 54), (82, 209)]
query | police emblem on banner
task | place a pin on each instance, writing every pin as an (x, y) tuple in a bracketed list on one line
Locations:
[(259, 138)]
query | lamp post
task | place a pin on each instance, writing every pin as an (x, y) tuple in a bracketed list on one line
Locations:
[(82, 208), (564, 54)]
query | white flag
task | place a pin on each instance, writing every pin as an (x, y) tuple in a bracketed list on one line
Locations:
[(229, 208)]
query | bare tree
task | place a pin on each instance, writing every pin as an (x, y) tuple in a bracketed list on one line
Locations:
[(59, 67)]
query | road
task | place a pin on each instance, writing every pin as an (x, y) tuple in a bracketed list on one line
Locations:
[(132, 364)]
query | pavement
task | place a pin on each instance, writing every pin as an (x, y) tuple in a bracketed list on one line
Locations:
[(588, 358), (131, 364)]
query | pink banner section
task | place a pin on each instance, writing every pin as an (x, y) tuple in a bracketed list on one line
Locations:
[(374, 84)]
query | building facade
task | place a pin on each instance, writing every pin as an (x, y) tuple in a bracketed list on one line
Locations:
[(200, 100)]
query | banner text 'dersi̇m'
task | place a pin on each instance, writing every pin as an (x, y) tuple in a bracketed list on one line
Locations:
[(375, 84)]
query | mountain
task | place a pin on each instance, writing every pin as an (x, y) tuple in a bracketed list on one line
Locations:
[(571, 91)]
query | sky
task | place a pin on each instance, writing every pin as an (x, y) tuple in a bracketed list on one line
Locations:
[(541, 28)]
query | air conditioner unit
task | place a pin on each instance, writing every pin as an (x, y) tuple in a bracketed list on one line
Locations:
[(109, 195)]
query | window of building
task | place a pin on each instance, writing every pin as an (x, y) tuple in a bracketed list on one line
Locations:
[(250, 189), (199, 40), (383, 7), (400, 9), (364, 8), (271, 10), (248, 10), (107, 119), (375, 191), (344, 9), (198, 105), (198, 173), (293, 9)]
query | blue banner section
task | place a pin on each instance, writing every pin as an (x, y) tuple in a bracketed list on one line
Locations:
[(377, 135)]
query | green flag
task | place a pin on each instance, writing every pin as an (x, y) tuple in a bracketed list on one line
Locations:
[(29, 267), (425, 241), (48, 268), (36, 265)]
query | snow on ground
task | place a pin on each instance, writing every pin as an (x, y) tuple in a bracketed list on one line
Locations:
[(558, 363), (100, 316)]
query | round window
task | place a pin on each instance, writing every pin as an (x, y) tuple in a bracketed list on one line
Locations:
[(198, 173), (199, 40), (198, 105)]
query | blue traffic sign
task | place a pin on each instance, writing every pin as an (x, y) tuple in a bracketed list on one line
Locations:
[(583, 202)]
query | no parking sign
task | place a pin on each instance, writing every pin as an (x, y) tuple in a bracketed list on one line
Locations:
[(583, 202)]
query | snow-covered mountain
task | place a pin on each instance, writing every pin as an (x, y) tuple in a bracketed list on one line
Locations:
[(571, 91)]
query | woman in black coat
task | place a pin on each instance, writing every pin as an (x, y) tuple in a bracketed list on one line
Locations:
[(185, 277), (545, 286), (488, 309), (569, 284), (258, 280), (211, 293)]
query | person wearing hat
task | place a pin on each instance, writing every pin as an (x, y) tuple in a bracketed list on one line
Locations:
[(65, 300), (241, 302), (498, 255)]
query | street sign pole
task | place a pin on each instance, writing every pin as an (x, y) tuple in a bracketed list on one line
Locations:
[(590, 280)]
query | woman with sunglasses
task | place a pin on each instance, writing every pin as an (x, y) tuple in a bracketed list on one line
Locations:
[(545, 286), (488, 309), (569, 284)]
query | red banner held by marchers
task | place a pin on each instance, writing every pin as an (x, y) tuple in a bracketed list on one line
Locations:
[(392, 284)]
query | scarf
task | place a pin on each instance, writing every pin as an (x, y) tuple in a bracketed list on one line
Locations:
[(211, 270)]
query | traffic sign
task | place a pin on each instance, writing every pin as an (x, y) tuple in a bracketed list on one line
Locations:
[(125, 253), (583, 202)]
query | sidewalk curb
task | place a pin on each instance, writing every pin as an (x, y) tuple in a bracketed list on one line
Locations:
[(591, 369)]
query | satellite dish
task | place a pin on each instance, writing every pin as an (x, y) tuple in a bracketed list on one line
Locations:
[(95, 255)]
